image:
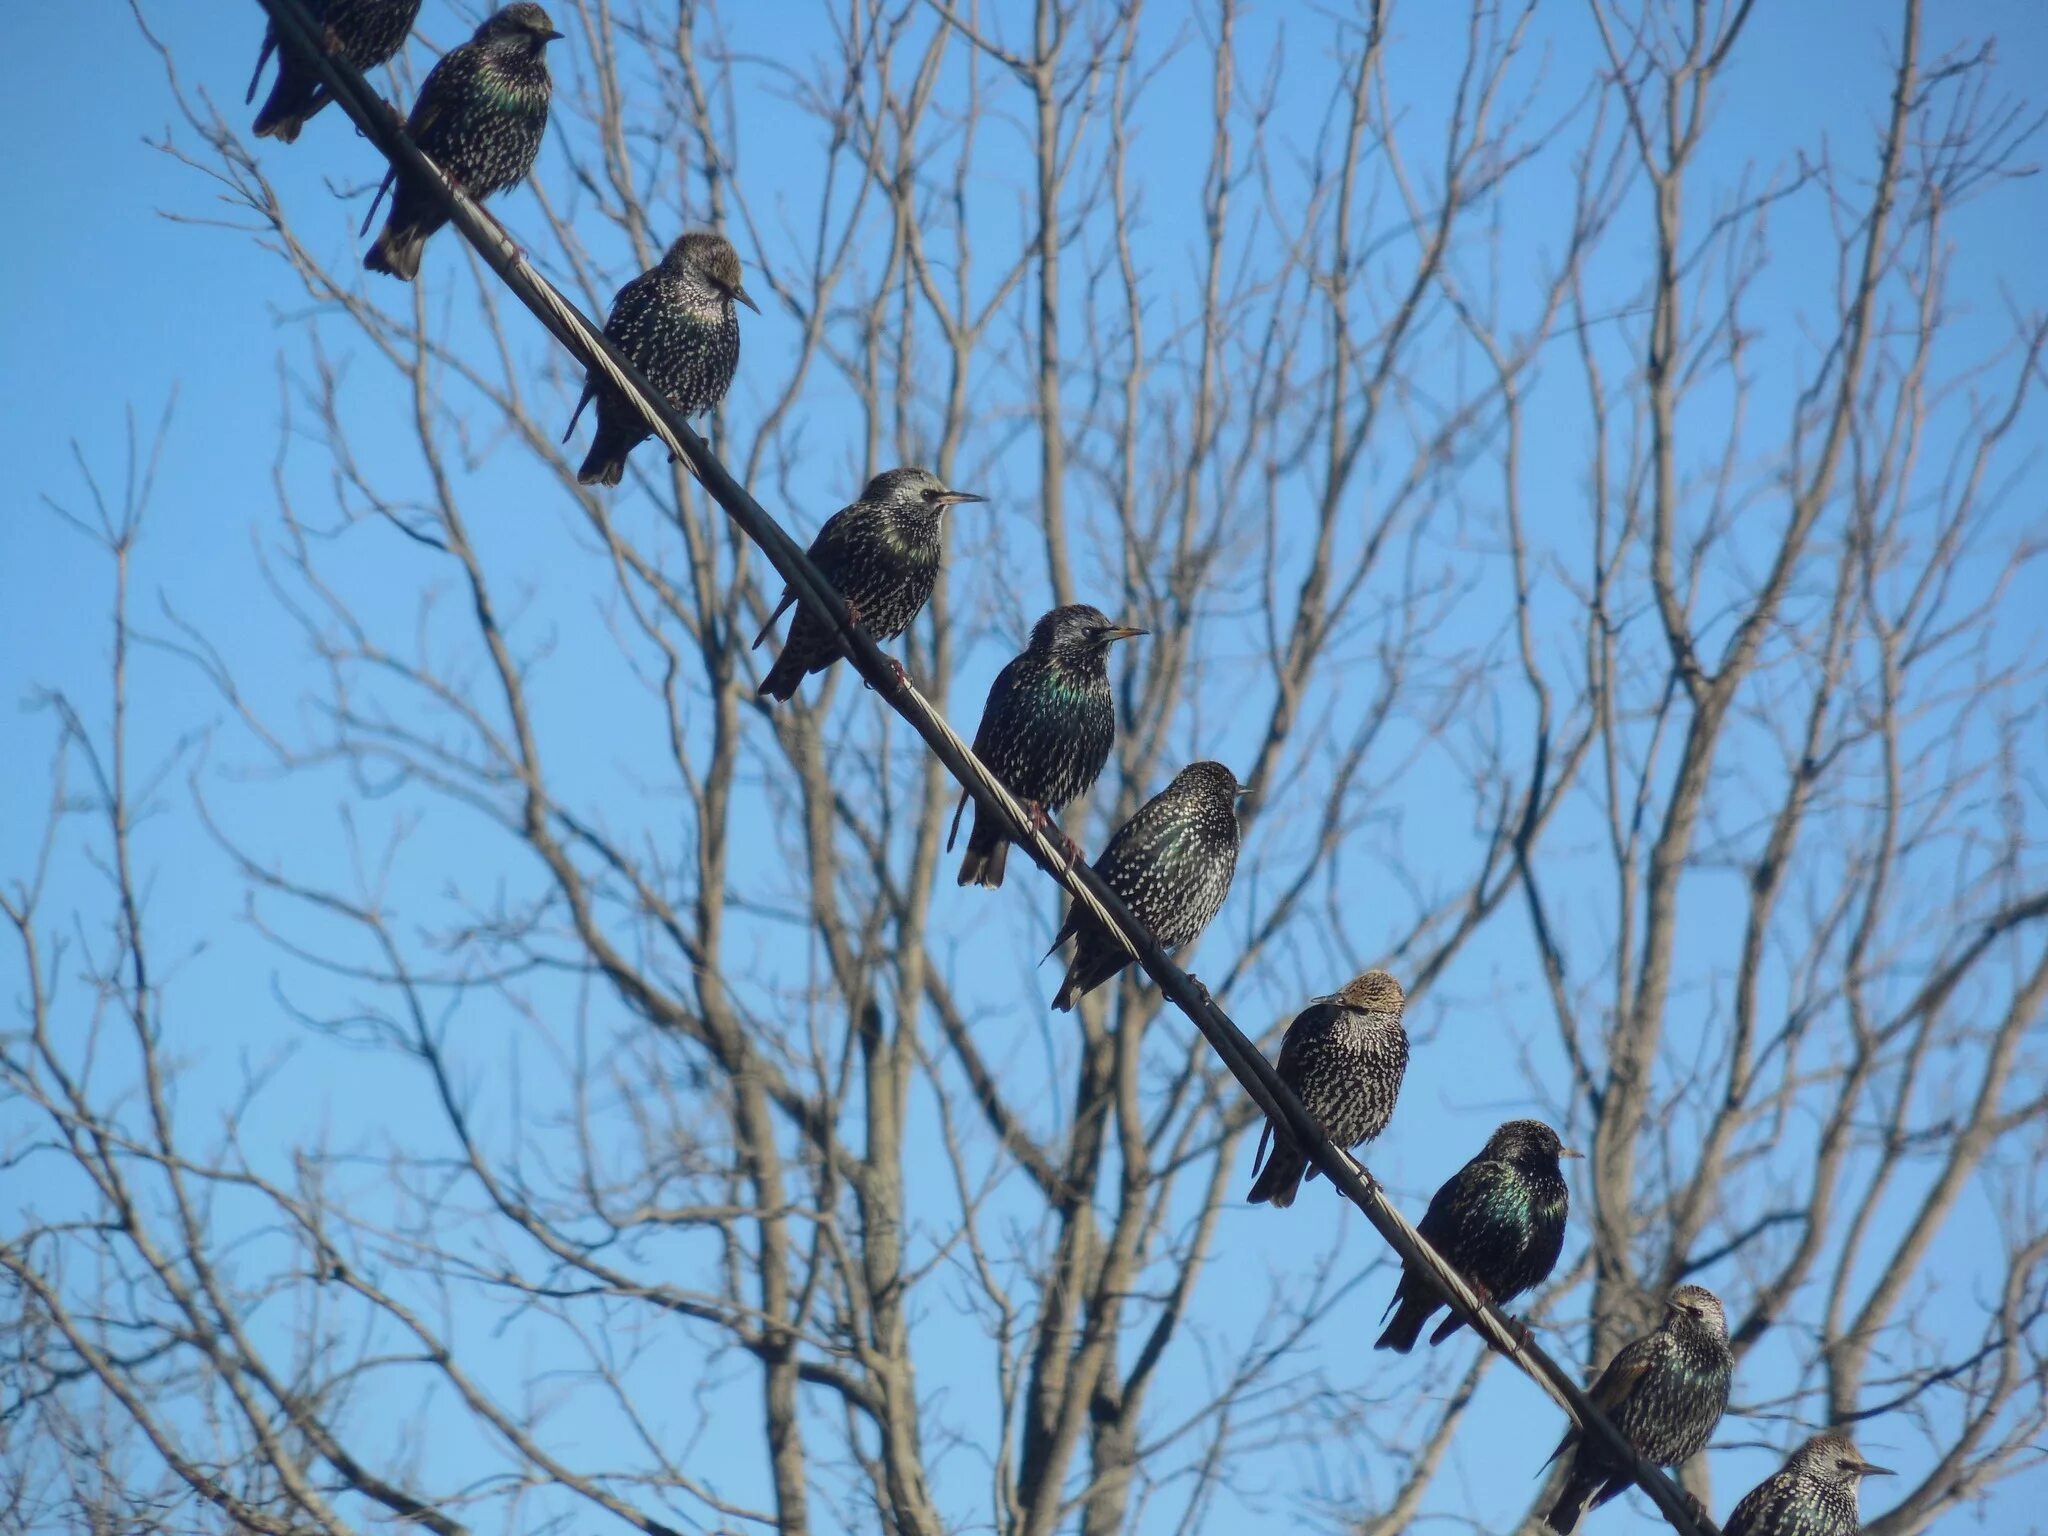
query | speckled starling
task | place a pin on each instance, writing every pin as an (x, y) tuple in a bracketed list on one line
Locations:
[(480, 118), (363, 33), (882, 554), (1344, 1057), (1813, 1494), (1665, 1392), (1171, 864), (1500, 1222), (678, 325), (1047, 728)]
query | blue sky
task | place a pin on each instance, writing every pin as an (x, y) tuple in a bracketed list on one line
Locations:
[(125, 297)]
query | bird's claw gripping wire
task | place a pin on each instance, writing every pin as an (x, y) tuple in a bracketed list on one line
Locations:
[(1036, 817)]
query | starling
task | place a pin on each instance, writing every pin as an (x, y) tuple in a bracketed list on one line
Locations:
[(1171, 864), (678, 325), (882, 554), (1499, 1220), (1344, 1057), (1047, 728), (480, 118), (1813, 1494), (362, 33), (1665, 1392)]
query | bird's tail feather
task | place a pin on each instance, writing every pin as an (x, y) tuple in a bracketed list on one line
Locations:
[(987, 853), (1280, 1180), (589, 389), (1406, 1328), (1446, 1328), (783, 678), (601, 467), (1571, 1504), (397, 251), (281, 126), (263, 58)]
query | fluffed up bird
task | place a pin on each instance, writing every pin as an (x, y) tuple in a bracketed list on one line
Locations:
[(1046, 730), (677, 323), (363, 33), (1499, 1220), (1665, 1392), (480, 117), (1171, 864), (1813, 1494), (882, 555), (1344, 1056)]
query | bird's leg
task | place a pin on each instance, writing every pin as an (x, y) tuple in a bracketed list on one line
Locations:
[(1035, 815), (853, 621), (504, 234), (330, 40), (1519, 1331)]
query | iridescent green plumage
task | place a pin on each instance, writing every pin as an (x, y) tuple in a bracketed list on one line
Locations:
[(480, 117), (1499, 1220), (1047, 728)]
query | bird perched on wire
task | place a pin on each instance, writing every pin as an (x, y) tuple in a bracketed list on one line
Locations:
[(1046, 730), (1665, 1392), (1499, 1220), (480, 117), (1813, 1494), (362, 33), (882, 555), (1344, 1056), (678, 324), (1171, 864)]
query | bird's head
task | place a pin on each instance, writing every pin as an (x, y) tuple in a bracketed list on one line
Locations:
[(1528, 1140), (1696, 1307), (914, 490), (1078, 631), (1209, 781), (521, 26), (1833, 1458), (1373, 992), (709, 257)]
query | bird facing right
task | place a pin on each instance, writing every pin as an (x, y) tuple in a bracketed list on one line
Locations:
[(882, 556), (1813, 1494), (362, 33), (1344, 1056), (678, 325), (1047, 728), (481, 115), (1665, 1392), (1171, 864), (1499, 1220)]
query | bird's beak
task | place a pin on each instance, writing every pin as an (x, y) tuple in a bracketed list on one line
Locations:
[(1569, 1152), (741, 294), (552, 37), (950, 498), (1243, 790), (1117, 632), (1870, 1469)]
